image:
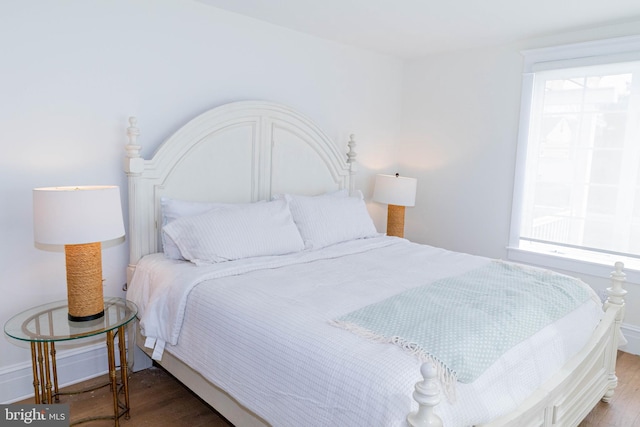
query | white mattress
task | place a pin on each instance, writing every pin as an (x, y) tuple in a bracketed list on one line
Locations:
[(263, 335)]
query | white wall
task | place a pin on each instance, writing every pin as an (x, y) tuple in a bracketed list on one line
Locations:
[(74, 70), (461, 123), (460, 128)]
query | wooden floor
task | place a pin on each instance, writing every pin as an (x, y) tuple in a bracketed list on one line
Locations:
[(157, 399)]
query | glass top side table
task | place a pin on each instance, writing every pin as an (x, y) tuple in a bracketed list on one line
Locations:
[(44, 325)]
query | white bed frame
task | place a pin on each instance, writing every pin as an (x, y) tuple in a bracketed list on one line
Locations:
[(248, 151)]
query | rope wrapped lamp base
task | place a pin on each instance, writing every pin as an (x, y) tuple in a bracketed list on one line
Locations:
[(395, 221), (84, 281)]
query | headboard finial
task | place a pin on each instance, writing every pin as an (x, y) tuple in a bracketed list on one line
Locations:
[(133, 149), (134, 164), (351, 154)]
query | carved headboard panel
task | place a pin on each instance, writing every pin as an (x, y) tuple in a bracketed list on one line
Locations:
[(239, 152)]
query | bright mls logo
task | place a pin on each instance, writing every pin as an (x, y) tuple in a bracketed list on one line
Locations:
[(35, 415)]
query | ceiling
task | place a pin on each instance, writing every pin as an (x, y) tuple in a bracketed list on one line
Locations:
[(414, 28)]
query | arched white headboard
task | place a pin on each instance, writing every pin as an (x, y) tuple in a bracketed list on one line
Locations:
[(239, 152)]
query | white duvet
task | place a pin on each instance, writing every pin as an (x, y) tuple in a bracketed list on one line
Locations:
[(260, 330)]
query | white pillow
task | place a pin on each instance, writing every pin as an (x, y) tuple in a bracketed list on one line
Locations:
[(325, 221), (172, 209), (244, 231)]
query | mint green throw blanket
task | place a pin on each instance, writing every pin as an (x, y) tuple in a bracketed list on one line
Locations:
[(465, 323)]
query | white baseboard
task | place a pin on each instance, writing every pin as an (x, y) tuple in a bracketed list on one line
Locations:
[(74, 366), (632, 334)]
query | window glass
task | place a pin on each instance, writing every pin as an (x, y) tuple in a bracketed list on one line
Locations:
[(581, 179)]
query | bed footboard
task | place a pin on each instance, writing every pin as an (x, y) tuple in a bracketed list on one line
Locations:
[(569, 396)]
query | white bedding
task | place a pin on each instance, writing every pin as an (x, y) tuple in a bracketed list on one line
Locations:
[(260, 330)]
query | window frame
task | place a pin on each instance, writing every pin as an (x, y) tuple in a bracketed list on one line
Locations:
[(598, 52)]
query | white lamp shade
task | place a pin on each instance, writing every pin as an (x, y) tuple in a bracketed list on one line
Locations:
[(395, 190), (77, 215)]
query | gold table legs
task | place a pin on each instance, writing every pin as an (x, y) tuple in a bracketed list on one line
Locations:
[(123, 374), (42, 366), (43, 363)]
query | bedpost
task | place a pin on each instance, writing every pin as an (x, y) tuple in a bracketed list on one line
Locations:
[(133, 166), (615, 299), (617, 292), (351, 160), (428, 396)]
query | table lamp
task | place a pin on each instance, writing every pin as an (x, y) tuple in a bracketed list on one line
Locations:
[(80, 218), (397, 192)]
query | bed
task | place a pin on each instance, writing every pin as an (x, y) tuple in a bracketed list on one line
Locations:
[(267, 330)]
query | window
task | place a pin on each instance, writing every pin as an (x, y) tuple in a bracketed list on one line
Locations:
[(577, 193)]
